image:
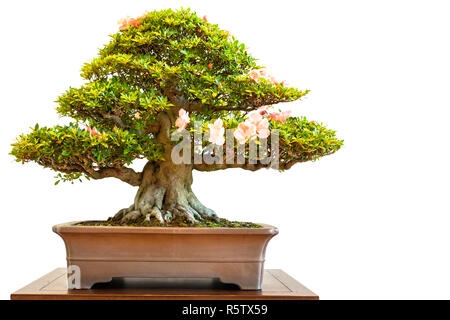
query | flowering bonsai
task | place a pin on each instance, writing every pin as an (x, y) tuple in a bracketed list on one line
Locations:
[(173, 74)]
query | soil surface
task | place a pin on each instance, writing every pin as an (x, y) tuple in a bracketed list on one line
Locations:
[(178, 222)]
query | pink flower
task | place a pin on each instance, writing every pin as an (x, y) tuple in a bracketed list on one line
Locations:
[(273, 80), (93, 132), (263, 110), (216, 132), (127, 22), (182, 120), (254, 75), (280, 116), (263, 133), (262, 73), (254, 117), (262, 125), (262, 130), (244, 132), (285, 115)]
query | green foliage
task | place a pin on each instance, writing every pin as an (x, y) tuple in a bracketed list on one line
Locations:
[(300, 140), (104, 101), (206, 63), (70, 176), (73, 150), (167, 60), (182, 38), (237, 91)]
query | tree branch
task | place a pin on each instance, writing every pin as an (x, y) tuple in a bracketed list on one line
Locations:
[(116, 119), (153, 128), (197, 106), (222, 166), (127, 175), (283, 165), (164, 125)]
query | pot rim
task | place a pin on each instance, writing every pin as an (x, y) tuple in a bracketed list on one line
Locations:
[(71, 227)]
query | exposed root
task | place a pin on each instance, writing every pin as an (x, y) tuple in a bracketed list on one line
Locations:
[(121, 213), (203, 211), (179, 210), (132, 215), (165, 194), (155, 212), (187, 212)]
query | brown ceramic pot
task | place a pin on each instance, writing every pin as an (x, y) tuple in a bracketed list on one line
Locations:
[(100, 253)]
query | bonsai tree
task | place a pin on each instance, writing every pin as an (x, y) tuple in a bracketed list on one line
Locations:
[(160, 74)]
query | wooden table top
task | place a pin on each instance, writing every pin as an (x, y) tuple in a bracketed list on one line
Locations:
[(277, 285)]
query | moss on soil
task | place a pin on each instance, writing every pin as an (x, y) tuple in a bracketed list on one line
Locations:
[(179, 222)]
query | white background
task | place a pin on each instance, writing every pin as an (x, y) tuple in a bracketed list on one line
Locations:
[(371, 221)]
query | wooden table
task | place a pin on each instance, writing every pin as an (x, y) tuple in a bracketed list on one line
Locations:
[(277, 285)]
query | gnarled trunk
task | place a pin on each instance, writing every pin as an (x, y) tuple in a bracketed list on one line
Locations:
[(165, 193)]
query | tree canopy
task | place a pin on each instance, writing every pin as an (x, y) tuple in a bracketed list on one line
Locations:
[(157, 64)]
